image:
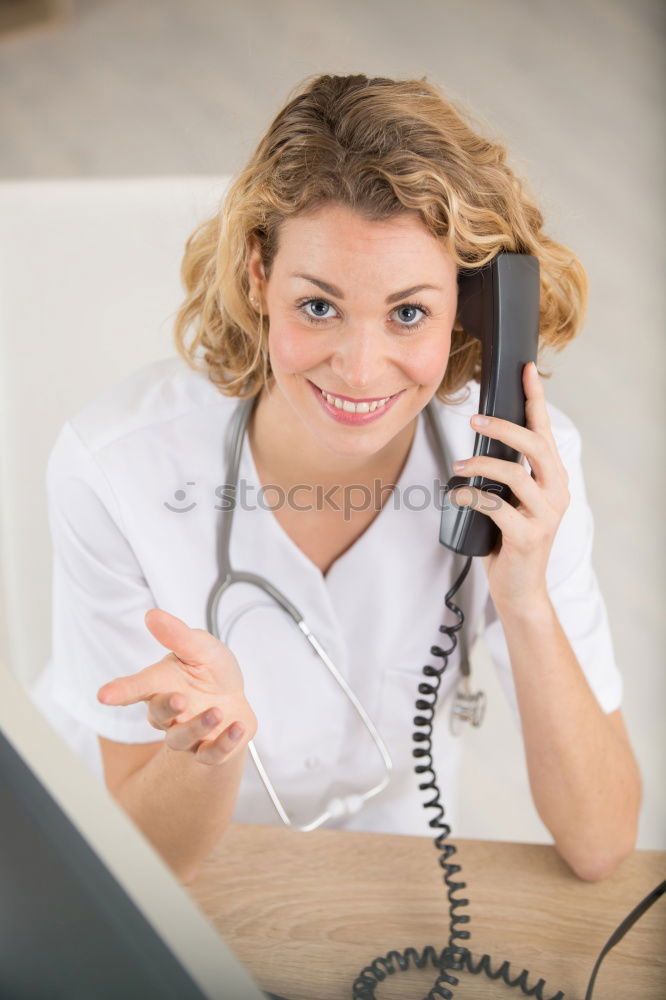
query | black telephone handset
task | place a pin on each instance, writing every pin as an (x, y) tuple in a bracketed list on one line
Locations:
[(498, 304)]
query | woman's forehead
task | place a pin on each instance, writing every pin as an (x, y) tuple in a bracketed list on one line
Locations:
[(338, 237)]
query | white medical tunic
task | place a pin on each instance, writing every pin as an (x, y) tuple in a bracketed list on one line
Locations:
[(135, 492)]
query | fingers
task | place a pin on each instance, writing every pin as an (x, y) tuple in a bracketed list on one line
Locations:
[(512, 474), (542, 494), (193, 646), (202, 736), (164, 709), (186, 735), (535, 441), (535, 447), (128, 690), (514, 526), (536, 411), (218, 750)]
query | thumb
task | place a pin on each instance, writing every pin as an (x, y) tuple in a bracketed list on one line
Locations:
[(193, 646)]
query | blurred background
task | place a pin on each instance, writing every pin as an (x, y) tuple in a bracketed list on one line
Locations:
[(114, 89)]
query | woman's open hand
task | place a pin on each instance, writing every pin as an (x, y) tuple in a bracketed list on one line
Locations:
[(517, 569), (194, 693)]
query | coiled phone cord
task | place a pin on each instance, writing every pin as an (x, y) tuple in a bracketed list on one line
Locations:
[(455, 956)]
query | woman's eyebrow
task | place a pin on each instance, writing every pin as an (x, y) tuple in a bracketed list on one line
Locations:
[(395, 297)]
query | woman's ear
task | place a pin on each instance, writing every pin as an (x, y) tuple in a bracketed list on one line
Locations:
[(256, 275)]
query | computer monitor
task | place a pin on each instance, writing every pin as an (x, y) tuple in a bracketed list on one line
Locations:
[(87, 907)]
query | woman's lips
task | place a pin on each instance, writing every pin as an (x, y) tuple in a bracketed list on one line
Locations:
[(353, 419), (351, 399)]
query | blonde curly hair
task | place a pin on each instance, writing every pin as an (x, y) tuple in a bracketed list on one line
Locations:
[(380, 147)]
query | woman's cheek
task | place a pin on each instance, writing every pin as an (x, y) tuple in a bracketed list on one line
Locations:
[(293, 349), (428, 362)]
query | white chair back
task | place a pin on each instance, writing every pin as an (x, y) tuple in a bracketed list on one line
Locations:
[(89, 285)]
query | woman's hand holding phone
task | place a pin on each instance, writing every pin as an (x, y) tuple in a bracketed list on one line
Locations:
[(194, 693), (516, 570)]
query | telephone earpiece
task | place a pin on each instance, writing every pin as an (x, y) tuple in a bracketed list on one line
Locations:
[(498, 304)]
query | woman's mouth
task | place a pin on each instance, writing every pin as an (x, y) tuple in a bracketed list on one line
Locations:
[(351, 411)]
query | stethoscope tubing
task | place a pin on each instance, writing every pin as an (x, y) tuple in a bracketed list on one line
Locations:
[(339, 806), (344, 805)]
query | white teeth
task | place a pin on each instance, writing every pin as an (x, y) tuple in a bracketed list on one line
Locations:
[(349, 407)]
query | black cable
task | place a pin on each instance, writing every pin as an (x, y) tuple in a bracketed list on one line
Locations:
[(455, 956), (622, 929)]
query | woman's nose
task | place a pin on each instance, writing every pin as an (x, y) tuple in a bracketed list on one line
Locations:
[(357, 360)]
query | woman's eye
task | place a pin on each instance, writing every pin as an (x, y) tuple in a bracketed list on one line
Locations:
[(410, 315), (315, 309)]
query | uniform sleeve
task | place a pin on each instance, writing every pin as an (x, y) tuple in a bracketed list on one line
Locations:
[(572, 586), (100, 596)]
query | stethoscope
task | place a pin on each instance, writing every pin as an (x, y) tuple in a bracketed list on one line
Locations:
[(467, 706)]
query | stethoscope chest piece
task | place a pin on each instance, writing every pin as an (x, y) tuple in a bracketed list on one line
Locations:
[(468, 706)]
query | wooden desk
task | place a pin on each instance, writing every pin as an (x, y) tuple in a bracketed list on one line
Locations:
[(307, 912)]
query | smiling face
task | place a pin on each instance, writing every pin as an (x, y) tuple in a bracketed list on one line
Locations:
[(361, 311)]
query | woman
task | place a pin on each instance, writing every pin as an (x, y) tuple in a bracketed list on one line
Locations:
[(326, 290)]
